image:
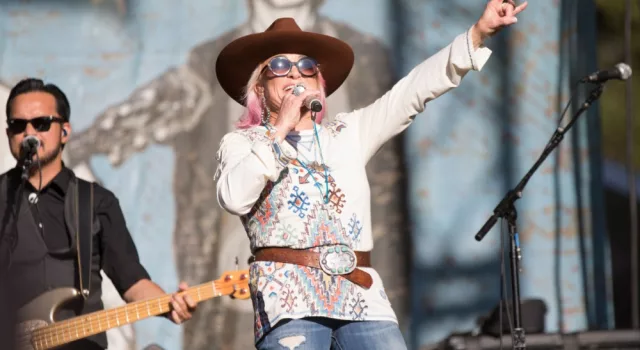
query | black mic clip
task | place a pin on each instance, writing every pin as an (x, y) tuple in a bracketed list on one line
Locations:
[(25, 164)]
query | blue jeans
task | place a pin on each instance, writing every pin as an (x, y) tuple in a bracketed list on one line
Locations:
[(325, 334)]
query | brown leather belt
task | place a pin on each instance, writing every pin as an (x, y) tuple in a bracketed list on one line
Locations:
[(309, 258)]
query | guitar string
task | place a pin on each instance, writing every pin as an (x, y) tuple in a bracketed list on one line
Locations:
[(77, 324), (85, 322), (150, 305)]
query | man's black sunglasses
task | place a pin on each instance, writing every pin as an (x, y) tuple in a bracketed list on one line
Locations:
[(40, 124)]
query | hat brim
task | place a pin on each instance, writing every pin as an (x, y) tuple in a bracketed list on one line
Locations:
[(239, 59)]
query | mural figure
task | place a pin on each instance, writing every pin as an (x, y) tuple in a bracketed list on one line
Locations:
[(182, 108)]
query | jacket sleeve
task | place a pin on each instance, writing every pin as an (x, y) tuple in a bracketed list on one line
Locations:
[(394, 111), (244, 167)]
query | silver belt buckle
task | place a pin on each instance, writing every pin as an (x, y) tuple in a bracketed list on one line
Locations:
[(338, 260)]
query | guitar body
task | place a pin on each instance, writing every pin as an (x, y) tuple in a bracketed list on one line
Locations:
[(41, 312)]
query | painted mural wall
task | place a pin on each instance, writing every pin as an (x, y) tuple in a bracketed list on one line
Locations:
[(148, 116)]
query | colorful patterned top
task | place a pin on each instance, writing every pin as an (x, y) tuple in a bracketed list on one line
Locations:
[(284, 205)]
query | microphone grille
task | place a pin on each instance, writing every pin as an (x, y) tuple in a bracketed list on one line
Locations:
[(625, 70), (31, 141)]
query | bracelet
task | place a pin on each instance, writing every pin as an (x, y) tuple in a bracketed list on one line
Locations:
[(279, 154), (469, 47), (283, 152)]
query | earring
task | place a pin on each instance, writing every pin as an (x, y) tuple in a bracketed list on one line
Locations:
[(266, 113)]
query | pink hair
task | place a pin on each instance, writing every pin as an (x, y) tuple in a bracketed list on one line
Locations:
[(252, 115)]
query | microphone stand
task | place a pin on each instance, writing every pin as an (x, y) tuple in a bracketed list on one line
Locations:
[(25, 166), (26, 160), (506, 210), (25, 163)]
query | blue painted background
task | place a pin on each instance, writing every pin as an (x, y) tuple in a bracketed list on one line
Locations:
[(471, 146), (462, 154)]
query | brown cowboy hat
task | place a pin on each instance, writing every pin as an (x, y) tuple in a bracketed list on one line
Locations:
[(240, 58)]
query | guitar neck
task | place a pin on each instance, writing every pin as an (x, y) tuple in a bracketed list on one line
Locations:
[(84, 326)]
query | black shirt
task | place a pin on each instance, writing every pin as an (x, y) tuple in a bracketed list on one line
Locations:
[(119, 255), (113, 247)]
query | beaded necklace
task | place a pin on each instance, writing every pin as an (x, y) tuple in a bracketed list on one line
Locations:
[(324, 195)]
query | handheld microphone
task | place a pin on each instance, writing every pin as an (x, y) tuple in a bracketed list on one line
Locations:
[(29, 146), (622, 71), (311, 102)]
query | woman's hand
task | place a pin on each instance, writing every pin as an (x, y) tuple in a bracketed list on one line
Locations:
[(497, 15), (291, 110)]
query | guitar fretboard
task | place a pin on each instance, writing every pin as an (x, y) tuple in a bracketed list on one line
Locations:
[(97, 322)]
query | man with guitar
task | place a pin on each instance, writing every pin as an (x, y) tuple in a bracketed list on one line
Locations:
[(57, 232)]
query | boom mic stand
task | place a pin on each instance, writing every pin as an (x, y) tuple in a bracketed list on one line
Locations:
[(25, 163), (506, 210), (25, 166)]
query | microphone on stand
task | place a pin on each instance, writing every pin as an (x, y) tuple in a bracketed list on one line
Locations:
[(29, 146), (622, 71), (311, 102)]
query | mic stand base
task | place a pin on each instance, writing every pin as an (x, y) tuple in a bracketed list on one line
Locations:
[(519, 342)]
